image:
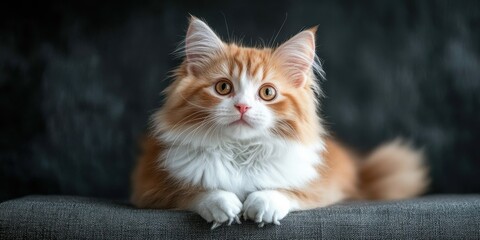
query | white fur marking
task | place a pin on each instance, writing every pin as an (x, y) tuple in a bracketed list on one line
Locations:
[(243, 167)]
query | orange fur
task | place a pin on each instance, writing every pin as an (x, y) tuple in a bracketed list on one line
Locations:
[(393, 171), (153, 187)]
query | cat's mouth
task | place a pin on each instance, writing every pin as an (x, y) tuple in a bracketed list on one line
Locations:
[(240, 122)]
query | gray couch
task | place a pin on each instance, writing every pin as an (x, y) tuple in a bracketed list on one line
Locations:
[(69, 217)]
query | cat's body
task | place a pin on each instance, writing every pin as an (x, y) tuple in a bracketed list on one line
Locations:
[(239, 132)]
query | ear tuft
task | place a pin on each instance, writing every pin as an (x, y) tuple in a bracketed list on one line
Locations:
[(201, 45), (313, 29), (297, 56)]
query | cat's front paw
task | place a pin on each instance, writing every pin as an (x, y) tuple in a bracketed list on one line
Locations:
[(266, 207), (219, 207)]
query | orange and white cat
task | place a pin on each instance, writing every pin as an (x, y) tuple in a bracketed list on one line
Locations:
[(239, 133)]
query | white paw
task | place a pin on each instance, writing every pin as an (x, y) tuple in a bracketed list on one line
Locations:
[(266, 207), (219, 207)]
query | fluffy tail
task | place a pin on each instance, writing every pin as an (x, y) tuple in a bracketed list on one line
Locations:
[(393, 171)]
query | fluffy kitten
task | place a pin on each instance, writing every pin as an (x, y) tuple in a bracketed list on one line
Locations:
[(239, 133)]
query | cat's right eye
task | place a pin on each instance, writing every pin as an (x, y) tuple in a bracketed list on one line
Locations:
[(223, 87)]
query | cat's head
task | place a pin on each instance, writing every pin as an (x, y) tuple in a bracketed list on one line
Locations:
[(226, 91)]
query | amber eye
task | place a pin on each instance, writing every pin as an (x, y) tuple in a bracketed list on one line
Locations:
[(223, 87), (268, 92)]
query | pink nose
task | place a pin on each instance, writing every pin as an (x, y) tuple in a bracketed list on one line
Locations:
[(242, 108)]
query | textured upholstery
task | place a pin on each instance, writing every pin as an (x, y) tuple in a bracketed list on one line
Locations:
[(65, 217)]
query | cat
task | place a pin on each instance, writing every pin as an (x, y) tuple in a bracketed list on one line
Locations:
[(239, 134)]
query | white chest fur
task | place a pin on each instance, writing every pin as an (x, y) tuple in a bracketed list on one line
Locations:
[(244, 167)]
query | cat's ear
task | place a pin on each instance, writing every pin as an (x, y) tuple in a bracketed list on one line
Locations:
[(297, 56), (201, 45)]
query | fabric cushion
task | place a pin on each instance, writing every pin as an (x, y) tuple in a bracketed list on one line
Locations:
[(66, 217)]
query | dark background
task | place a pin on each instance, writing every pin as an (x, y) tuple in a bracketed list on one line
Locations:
[(79, 79)]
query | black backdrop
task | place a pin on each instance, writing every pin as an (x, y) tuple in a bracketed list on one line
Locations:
[(79, 79)]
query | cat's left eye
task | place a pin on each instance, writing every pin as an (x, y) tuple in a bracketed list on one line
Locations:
[(267, 92)]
